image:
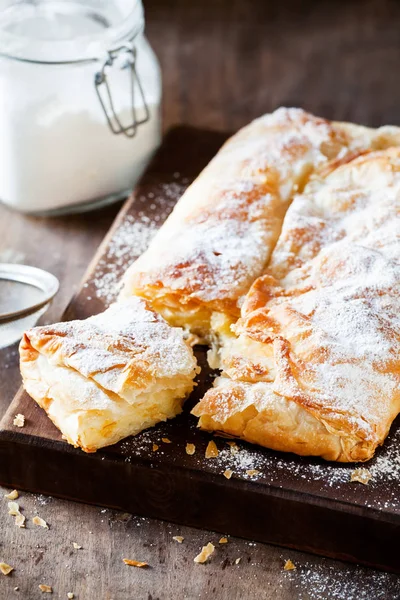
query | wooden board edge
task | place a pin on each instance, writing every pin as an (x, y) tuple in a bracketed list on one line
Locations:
[(199, 500)]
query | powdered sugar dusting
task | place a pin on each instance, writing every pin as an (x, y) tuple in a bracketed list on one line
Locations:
[(128, 242), (337, 271), (313, 581), (276, 469), (107, 348), (221, 234), (133, 237)]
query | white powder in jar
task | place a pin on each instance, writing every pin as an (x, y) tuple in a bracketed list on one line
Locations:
[(56, 148)]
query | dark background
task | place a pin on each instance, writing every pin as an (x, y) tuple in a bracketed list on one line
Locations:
[(228, 61)]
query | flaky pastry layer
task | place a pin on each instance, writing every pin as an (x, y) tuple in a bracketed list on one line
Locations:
[(314, 364), (220, 235), (109, 376)]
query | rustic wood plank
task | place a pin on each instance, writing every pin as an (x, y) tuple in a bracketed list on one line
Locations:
[(223, 63)]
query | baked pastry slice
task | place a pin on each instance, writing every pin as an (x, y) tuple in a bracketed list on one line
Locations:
[(109, 376), (219, 237), (315, 365)]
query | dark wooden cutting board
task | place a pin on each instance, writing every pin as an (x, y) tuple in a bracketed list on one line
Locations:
[(295, 502)]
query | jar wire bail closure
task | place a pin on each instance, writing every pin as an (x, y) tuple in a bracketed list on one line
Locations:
[(101, 80)]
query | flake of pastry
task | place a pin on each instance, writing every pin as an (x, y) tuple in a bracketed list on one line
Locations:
[(46, 589), (76, 546), (237, 561), (13, 509), (205, 553), (178, 538), (211, 450), (228, 473), (166, 440), (234, 448), (190, 449), (155, 447), (40, 522), (289, 565), (223, 540), (12, 495), (20, 521), (135, 563), (361, 475), (70, 596), (19, 420), (252, 472), (5, 568)]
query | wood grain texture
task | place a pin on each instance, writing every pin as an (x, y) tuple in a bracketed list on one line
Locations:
[(224, 62)]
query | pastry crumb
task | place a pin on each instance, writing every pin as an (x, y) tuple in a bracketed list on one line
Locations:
[(46, 589), (190, 449), (13, 509), (237, 561), (12, 495), (135, 563), (70, 596), (20, 521), (178, 538), (233, 447), (223, 540), (155, 447), (211, 450), (228, 473), (19, 420), (5, 568), (252, 472), (41, 522), (361, 476), (76, 546), (289, 565), (166, 440), (16, 588), (205, 553)]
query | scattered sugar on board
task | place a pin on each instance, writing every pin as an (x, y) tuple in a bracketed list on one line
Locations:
[(315, 581), (133, 237), (383, 489), (128, 242)]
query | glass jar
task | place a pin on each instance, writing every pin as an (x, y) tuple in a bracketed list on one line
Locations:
[(80, 93)]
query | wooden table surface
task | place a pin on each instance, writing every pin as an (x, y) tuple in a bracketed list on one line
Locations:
[(224, 62)]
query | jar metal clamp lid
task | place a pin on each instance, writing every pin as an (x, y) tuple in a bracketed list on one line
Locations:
[(115, 45), (128, 52)]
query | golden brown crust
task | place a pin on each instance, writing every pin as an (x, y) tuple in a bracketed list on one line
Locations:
[(220, 236), (110, 376), (319, 334)]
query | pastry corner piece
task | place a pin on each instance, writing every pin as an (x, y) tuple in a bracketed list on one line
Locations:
[(314, 366), (109, 376)]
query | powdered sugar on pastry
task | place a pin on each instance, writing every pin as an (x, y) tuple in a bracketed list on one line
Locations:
[(324, 320), (109, 376), (220, 235)]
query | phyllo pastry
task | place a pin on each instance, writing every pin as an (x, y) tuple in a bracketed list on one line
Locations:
[(314, 367), (109, 376), (219, 237)]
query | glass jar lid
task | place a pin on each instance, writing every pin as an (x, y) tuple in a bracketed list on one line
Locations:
[(63, 31), (24, 290)]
